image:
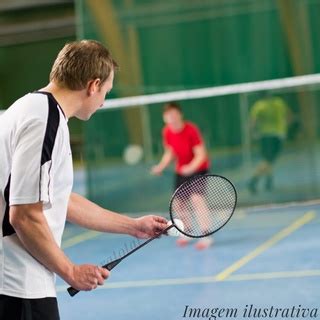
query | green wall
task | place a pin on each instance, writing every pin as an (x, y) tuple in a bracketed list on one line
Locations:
[(26, 67), (188, 44), (171, 45)]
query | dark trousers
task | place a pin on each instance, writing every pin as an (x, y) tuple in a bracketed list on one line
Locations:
[(12, 308), (179, 179)]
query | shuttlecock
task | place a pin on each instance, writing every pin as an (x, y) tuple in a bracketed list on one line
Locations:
[(174, 232)]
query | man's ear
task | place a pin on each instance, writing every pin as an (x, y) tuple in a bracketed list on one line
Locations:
[(93, 86)]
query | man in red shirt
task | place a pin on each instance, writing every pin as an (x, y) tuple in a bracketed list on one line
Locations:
[(183, 143)]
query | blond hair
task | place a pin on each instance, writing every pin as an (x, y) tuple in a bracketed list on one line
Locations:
[(81, 61)]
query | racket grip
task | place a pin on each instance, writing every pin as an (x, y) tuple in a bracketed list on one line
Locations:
[(72, 291), (109, 266)]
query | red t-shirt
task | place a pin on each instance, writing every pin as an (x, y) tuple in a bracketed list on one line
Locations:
[(182, 144)]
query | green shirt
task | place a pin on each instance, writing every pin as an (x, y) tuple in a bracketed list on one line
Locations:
[(270, 116)]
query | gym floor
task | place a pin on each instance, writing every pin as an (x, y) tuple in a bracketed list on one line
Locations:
[(264, 257)]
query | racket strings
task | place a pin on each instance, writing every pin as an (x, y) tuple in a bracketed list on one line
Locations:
[(204, 204)]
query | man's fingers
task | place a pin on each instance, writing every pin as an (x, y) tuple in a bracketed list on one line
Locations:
[(100, 276), (160, 226), (88, 277), (161, 219), (94, 287), (101, 282), (91, 285), (104, 272)]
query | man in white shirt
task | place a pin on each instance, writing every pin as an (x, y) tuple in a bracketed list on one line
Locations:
[(36, 181)]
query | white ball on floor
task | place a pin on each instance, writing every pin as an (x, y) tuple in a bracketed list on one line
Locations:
[(174, 232)]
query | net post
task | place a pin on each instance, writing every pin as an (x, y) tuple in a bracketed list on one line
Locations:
[(245, 131), (146, 133)]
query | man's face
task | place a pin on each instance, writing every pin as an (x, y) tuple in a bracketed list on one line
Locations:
[(173, 118), (95, 97)]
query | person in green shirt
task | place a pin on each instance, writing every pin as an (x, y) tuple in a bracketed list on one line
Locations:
[(269, 117)]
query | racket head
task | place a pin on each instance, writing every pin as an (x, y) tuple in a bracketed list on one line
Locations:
[(204, 203)]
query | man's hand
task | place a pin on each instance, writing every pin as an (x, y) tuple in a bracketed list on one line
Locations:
[(149, 226), (167, 157), (87, 277)]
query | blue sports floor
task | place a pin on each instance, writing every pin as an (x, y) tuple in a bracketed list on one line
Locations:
[(264, 257)]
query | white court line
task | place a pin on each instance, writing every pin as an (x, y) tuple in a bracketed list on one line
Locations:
[(227, 274), (204, 280), (282, 234), (83, 236)]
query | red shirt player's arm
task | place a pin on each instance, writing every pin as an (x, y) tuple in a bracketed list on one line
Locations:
[(167, 156), (195, 135)]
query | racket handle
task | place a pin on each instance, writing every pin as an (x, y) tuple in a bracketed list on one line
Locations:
[(109, 266), (72, 291)]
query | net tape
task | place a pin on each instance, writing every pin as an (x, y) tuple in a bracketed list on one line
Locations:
[(274, 84)]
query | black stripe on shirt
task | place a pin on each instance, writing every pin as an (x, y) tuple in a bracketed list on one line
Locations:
[(51, 129), (50, 134), (7, 228), (46, 155)]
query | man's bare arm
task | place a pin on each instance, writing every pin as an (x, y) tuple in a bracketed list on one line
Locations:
[(33, 231), (85, 213)]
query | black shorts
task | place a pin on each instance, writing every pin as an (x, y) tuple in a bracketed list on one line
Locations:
[(179, 179), (270, 147), (13, 308)]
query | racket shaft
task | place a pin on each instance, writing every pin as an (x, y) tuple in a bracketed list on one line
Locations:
[(112, 264), (109, 266)]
